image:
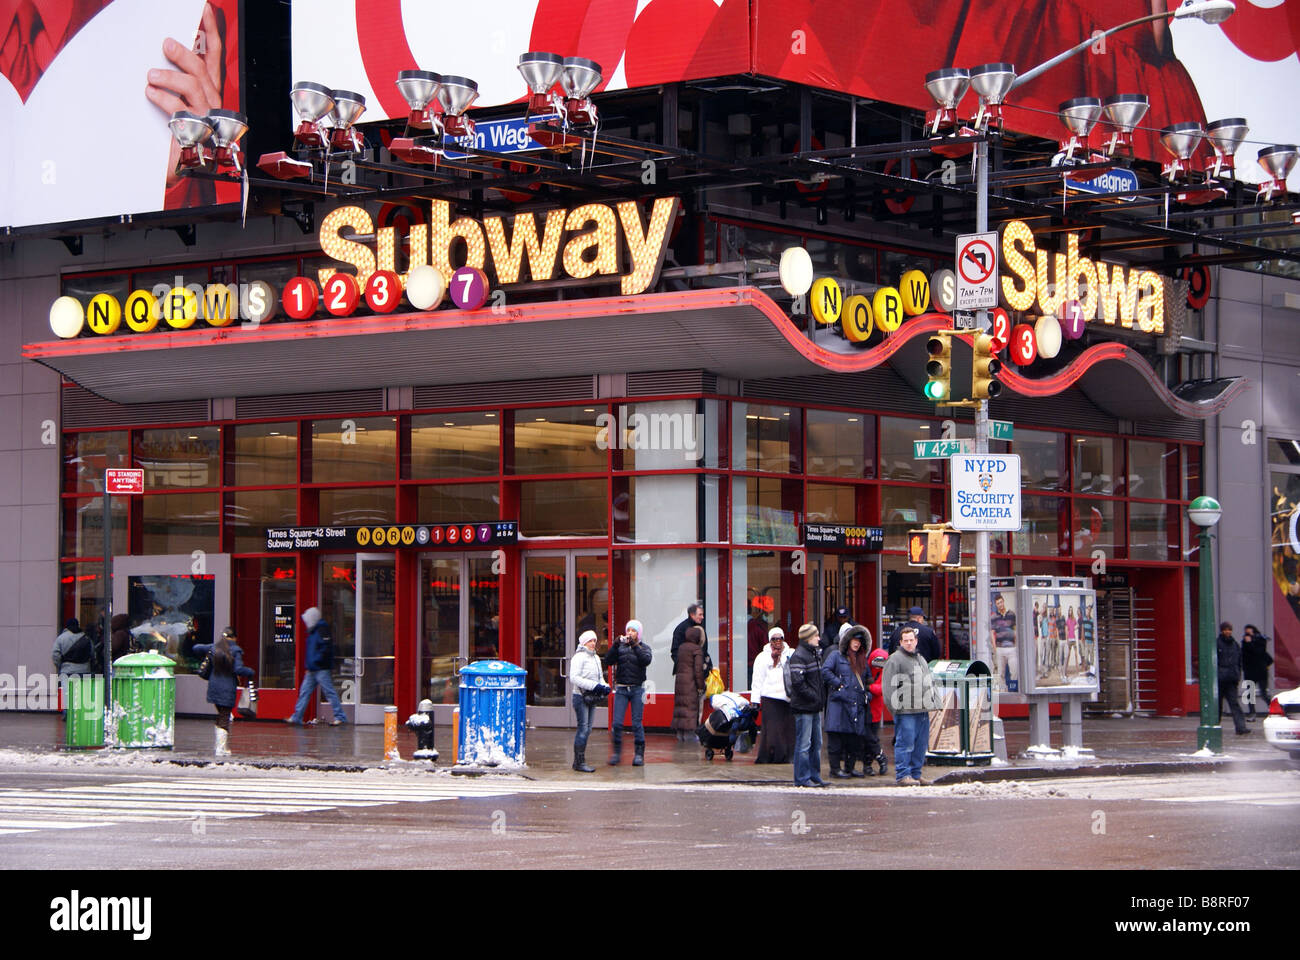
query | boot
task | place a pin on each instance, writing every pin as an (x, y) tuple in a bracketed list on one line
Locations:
[(580, 761), (221, 749), (852, 764), (638, 758), (837, 770), (615, 753), (882, 762)]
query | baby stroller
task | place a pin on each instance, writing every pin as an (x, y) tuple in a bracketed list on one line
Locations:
[(730, 727)]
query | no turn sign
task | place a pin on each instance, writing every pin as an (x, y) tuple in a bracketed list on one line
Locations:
[(977, 271)]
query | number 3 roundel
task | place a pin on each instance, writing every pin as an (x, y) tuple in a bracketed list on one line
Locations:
[(1023, 346)]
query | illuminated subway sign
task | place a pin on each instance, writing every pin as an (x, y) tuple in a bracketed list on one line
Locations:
[(1113, 293), (592, 246)]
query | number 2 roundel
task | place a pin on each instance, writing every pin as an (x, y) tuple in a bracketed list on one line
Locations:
[(341, 295), (1023, 346), (1000, 331)]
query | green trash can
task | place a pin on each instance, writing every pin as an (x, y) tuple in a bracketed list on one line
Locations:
[(961, 729), (144, 702), (84, 727)]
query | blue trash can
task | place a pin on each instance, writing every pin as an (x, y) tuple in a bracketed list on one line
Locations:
[(492, 714)]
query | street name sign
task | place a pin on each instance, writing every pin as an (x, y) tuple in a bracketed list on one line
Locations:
[(977, 271), (500, 136), (1001, 429), (985, 491), (941, 449)]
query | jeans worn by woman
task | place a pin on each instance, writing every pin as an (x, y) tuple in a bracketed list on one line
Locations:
[(584, 711)]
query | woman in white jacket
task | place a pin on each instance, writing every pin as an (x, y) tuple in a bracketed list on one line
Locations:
[(589, 691), (776, 741)]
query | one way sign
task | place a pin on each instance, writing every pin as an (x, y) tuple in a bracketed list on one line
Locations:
[(977, 271)]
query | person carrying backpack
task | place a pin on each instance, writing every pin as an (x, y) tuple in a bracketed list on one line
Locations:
[(73, 653), (320, 658)]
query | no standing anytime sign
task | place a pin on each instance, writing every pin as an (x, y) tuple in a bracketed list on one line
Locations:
[(985, 491)]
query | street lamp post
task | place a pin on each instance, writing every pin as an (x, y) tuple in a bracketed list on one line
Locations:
[(1212, 12), (1205, 513)]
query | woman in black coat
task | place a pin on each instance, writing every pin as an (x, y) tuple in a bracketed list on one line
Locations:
[(845, 673), (1255, 662), (223, 685)]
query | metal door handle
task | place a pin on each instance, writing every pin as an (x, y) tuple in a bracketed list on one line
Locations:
[(564, 668)]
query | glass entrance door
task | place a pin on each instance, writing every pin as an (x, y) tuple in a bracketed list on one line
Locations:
[(835, 581), (459, 623), (359, 603), (564, 595)]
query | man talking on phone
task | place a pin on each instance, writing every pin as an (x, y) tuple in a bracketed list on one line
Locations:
[(629, 655)]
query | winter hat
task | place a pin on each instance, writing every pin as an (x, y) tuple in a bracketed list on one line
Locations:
[(807, 632), (775, 632), (694, 635), (844, 628), (588, 635), (311, 616), (877, 656), (634, 625), (915, 612), (72, 624)]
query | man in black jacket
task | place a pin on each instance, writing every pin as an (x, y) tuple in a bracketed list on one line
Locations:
[(807, 701), (629, 655), (927, 641), (694, 618), (1229, 655)]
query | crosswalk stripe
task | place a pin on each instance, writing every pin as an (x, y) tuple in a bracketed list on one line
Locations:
[(1229, 798)]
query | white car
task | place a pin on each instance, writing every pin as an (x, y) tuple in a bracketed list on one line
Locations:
[(1282, 725)]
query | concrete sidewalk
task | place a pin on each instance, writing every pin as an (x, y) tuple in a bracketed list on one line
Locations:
[(1121, 746)]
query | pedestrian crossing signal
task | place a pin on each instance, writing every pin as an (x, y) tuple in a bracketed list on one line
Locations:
[(938, 368), (933, 548)]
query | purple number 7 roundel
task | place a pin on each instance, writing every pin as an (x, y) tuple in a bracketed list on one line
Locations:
[(468, 288)]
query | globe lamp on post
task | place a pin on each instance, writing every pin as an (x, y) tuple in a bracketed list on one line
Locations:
[(1205, 513)]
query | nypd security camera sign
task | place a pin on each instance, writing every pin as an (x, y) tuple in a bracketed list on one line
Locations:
[(985, 491)]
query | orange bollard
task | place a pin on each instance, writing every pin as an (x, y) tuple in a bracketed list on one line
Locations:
[(390, 734), (455, 734)]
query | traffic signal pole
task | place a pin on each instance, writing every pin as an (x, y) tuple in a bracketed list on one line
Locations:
[(982, 648)]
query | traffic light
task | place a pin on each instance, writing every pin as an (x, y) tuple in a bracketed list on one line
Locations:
[(983, 378), (933, 548), (938, 368)]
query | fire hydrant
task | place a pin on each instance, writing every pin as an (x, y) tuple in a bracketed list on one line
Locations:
[(421, 724)]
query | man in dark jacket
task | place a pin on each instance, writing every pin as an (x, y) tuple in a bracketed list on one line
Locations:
[(320, 658), (807, 701), (694, 618), (1255, 661), (1229, 655), (629, 655), (927, 641)]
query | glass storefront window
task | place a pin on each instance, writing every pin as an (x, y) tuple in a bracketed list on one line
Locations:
[(1097, 465), (764, 437), (353, 508), (1284, 453), (173, 612), (896, 451), (664, 508), (559, 440), (664, 435), (902, 508), (1096, 527), (81, 592), (1153, 531), (1192, 487), (756, 581), (250, 512), (841, 444), (1042, 459), (448, 445), (353, 450), (1042, 519), (87, 455), (459, 502), (83, 527), (1152, 470), (831, 503), (559, 508), (265, 588), (1284, 562), (765, 510), (263, 454), (181, 457), (180, 522)]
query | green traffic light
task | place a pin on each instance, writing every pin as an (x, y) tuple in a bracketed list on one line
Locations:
[(936, 390)]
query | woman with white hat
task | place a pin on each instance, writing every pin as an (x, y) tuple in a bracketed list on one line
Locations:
[(776, 739), (589, 692)]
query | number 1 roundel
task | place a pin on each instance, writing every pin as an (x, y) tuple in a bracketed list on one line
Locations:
[(300, 298)]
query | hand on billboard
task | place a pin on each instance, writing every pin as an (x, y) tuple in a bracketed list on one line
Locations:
[(196, 85)]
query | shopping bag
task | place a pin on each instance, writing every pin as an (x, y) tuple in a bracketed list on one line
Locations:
[(713, 685)]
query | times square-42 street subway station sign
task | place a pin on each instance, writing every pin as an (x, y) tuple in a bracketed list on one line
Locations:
[(422, 536)]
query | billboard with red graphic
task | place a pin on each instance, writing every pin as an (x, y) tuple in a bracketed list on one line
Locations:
[(1191, 70), (86, 90)]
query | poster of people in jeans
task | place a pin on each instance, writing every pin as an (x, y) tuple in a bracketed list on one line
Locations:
[(1060, 636), (1002, 630)]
